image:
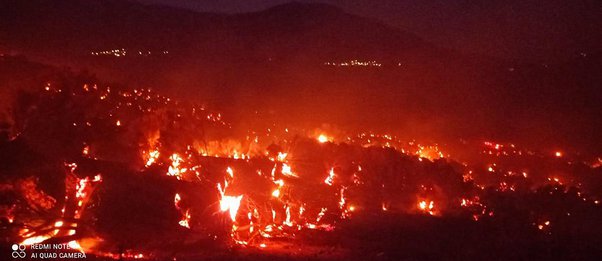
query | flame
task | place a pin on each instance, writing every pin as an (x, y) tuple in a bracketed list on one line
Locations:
[(75, 245), (185, 222), (152, 158), (429, 152), (34, 240), (177, 200), (282, 156), (323, 138), (175, 169), (286, 171), (427, 206), (288, 217), (231, 204), (330, 179), (276, 193)]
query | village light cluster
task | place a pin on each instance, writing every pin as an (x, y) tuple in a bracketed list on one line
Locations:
[(357, 63), (125, 52)]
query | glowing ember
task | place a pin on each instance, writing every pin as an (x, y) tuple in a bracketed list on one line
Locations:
[(86, 150), (330, 179)]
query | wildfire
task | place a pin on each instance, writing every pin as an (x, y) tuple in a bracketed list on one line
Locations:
[(330, 179), (230, 172), (185, 221), (323, 138), (231, 204), (286, 171), (75, 202), (287, 206), (429, 152), (276, 193), (175, 169), (282, 156), (427, 206), (152, 158)]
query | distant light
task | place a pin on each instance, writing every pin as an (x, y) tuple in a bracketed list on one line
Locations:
[(558, 154)]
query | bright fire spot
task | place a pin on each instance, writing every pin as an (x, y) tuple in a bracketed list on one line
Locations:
[(86, 150), (230, 172), (323, 138), (230, 203), (152, 157), (544, 225), (330, 179), (286, 170), (288, 221), (34, 240), (558, 154), (429, 152), (427, 206), (276, 193), (177, 199), (185, 222), (174, 169), (118, 123), (75, 245), (282, 156)]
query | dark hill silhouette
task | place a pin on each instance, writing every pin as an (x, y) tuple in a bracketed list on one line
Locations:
[(273, 60)]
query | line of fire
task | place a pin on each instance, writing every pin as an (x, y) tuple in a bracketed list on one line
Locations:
[(128, 173)]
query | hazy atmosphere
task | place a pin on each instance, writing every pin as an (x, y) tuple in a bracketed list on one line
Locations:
[(301, 130)]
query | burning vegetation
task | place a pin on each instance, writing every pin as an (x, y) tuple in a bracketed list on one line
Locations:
[(119, 173)]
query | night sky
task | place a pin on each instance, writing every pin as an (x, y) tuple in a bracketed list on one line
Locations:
[(524, 29)]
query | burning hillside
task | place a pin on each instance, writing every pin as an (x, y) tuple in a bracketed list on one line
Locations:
[(128, 173)]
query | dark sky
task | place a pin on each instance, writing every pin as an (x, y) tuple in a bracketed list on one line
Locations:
[(528, 29)]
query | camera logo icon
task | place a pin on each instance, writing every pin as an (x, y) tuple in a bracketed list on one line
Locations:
[(18, 251)]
